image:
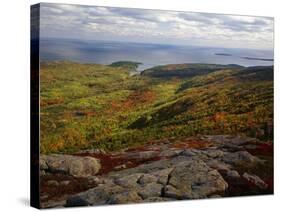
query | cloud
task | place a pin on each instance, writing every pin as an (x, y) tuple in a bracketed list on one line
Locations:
[(154, 26)]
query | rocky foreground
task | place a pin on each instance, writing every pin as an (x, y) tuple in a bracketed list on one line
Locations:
[(163, 170)]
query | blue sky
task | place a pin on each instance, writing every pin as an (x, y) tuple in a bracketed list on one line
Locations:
[(155, 26)]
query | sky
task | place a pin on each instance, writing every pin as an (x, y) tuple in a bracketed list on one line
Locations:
[(155, 26)]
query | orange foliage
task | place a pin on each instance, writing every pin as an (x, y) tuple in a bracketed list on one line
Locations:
[(139, 97), (219, 117), (250, 121), (134, 99)]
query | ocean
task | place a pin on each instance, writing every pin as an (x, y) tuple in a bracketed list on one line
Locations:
[(107, 52)]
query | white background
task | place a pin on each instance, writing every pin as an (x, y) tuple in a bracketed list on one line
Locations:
[(14, 103)]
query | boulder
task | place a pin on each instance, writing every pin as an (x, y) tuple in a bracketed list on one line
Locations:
[(76, 201), (71, 165), (237, 158), (96, 196), (190, 152), (232, 174), (147, 178), (254, 179), (128, 181), (214, 153), (219, 165), (151, 190), (170, 152), (162, 175), (194, 179), (172, 192), (125, 197)]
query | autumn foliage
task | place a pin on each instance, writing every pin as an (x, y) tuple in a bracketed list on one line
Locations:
[(90, 105)]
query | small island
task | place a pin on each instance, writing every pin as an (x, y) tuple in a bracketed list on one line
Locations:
[(223, 54), (255, 58), (130, 65)]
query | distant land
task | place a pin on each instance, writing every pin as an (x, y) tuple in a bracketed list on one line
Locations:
[(246, 58), (223, 54), (254, 58)]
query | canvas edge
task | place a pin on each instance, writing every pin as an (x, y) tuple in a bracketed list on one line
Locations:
[(34, 105)]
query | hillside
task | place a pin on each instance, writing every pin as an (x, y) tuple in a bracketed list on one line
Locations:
[(186, 131), (90, 105), (186, 70)]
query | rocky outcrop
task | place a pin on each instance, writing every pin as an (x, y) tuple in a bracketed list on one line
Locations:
[(237, 158), (255, 180), (69, 165), (171, 152), (233, 174), (128, 181), (125, 197), (184, 179), (160, 172), (194, 179), (144, 155)]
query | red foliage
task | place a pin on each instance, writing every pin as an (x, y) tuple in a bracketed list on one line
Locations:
[(195, 144), (134, 99), (110, 161), (262, 149), (138, 97)]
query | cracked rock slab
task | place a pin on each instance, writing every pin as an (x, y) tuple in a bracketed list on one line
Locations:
[(128, 181), (151, 190), (147, 178), (194, 179)]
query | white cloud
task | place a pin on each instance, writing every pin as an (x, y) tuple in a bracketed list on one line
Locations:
[(138, 25)]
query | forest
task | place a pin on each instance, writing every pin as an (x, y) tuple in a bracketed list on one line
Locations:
[(84, 106)]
